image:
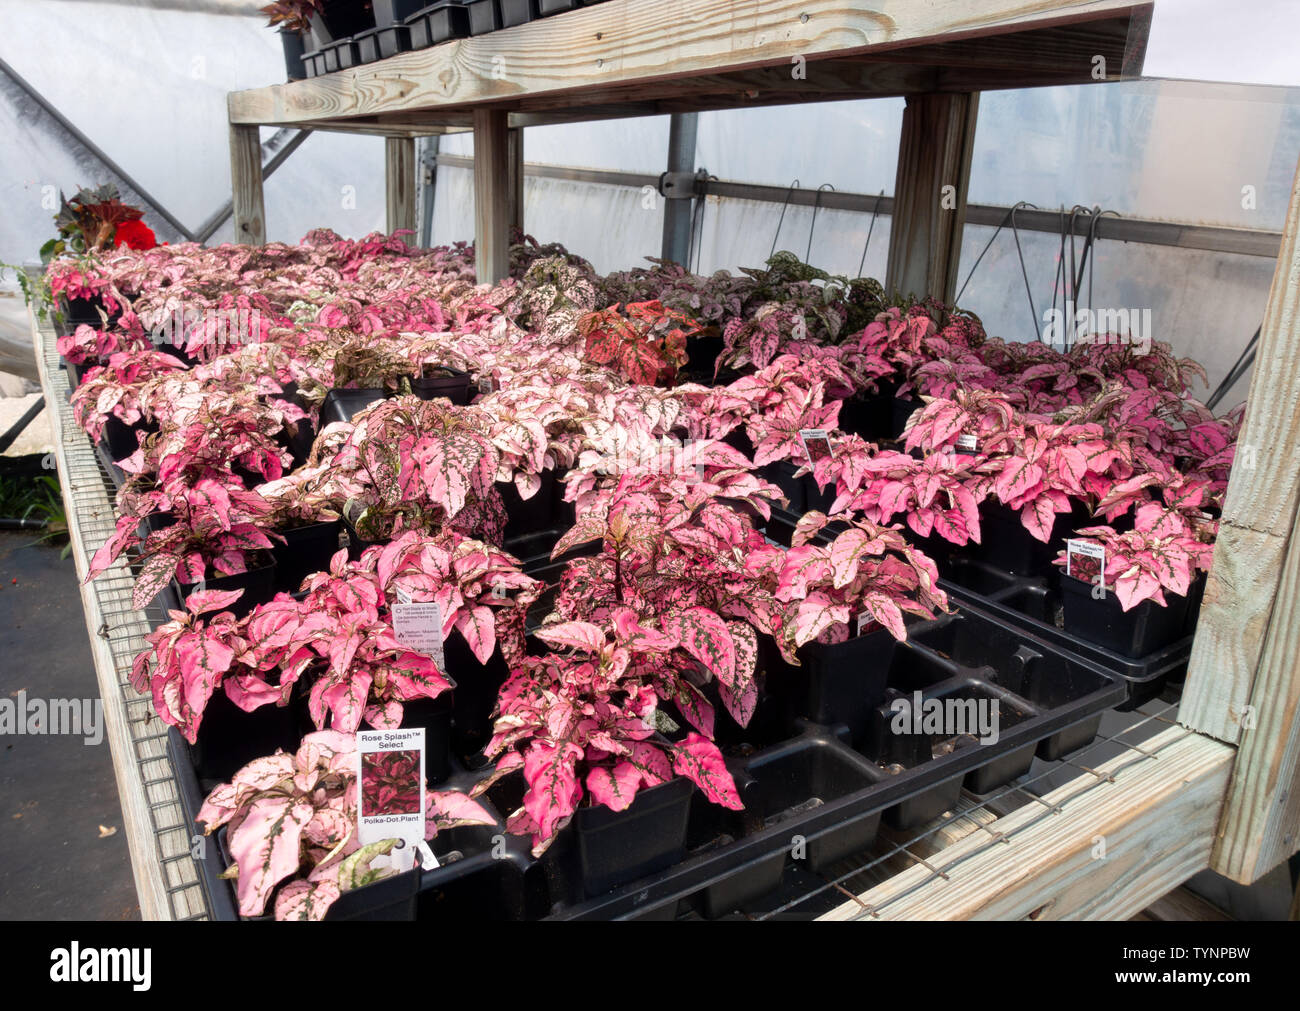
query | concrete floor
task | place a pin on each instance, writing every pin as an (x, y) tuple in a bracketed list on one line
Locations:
[(63, 851)]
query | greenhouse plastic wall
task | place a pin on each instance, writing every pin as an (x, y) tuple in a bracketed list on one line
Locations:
[(1179, 151), (147, 83)]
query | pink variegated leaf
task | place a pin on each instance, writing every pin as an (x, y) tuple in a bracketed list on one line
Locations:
[(701, 762)]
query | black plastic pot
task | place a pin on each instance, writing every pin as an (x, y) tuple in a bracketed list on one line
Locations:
[(457, 386), (1143, 629), (229, 738), (525, 517), (380, 43), (1007, 545), (484, 16), (121, 439), (343, 404), (802, 492), (258, 585), (294, 47), (330, 56), (344, 51), (517, 12), (548, 7), (357, 544), (313, 63), (477, 685), (835, 684), (394, 12), (870, 416), (342, 18), (437, 23), (73, 312), (434, 715), (1033, 603), (306, 550), (615, 847)]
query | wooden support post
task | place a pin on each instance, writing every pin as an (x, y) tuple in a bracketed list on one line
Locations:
[(246, 185), (491, 195), (515, 143), (399, 182), (934, 158), (1243, 684)]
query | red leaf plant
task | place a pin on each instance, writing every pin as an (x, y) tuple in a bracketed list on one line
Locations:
[(291, 823), (642, 341)]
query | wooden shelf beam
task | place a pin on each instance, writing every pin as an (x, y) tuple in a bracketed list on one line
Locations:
[(691, 55)]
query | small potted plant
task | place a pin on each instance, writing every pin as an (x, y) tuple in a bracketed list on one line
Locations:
[(1132, 591), (293, 19), (843, 605), (290, 831), (579, 724)]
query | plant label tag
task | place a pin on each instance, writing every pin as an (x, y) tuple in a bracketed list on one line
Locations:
[(486, 385), (419, 627), (967, 444), (390, 791), (865, 623), (1085, 561), (816, 443)]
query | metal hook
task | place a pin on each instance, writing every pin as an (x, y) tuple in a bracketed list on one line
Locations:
[(870, 228), (780, 221), (807, 256)]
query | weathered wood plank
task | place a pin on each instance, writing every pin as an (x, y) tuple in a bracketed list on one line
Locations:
[(1156, 818), (150, 878), (1183, 906), (246, 184), (491, 196), (934, 157), (399, 183), (1244, 591), (650, 49)]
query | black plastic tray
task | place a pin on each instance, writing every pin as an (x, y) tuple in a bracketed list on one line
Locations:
[(811, 785), (1055, 701), (1031, 603)]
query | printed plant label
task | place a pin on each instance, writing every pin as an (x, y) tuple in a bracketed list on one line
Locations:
[(418, 626), (1085, 561), (816, 443), (390, 794)]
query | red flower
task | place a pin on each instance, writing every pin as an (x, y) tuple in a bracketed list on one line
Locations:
[(135, 235)]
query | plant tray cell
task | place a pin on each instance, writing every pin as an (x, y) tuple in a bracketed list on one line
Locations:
[(1033, 604), (437, 23), (517, 12), (816, 786), (484, 16)]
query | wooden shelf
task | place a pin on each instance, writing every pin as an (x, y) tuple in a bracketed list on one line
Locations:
[(647, 57)]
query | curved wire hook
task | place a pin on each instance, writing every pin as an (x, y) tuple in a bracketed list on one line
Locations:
[(1009, 219), (807, 256), (871, 228), (780, 221)]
